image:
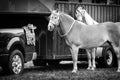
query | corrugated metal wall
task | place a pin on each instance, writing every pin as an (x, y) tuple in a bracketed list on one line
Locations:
[(99, 12)]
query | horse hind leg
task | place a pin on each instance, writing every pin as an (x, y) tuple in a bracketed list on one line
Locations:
[(74, 52), (117, 51), (118, 57), (93, 52)]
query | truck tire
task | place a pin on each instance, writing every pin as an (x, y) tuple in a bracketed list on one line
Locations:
[(15, 62), (108, 57)]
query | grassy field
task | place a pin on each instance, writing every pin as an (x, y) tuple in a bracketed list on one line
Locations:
[(63, 72)]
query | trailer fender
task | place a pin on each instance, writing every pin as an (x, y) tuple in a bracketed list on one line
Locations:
[(99, 52)]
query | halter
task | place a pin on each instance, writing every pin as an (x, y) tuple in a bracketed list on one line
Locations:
[(85, 21), (80, 12), (52, 22), (68, 30)]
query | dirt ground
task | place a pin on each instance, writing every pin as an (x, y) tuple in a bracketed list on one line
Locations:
[(63, 72)]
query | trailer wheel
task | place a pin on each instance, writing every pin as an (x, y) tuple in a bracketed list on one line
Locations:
[(108, 58), (16, 62)]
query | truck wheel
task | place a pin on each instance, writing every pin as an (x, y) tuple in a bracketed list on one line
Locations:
[(108, 57), (16, 62)]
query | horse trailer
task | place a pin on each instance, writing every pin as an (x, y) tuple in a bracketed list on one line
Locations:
[(39, 45)]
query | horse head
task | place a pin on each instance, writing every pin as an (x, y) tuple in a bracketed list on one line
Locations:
[(80, 13), (54, 20), (65, 21)]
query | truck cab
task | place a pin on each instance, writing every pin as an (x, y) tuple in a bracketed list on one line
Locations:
[(14, 51)]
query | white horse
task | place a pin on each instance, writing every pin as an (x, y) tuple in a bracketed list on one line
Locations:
[(82, 15), (78, 34)]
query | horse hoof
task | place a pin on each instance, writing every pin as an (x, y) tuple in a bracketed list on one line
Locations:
[(89, 68), (92, 68), (118, 70), (74, 71)]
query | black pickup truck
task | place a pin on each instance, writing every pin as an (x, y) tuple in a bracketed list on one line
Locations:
[(19, 38), (14, 50)]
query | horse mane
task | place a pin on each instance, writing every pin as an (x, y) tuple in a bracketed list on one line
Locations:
[(63, 13), (89, 18), (81, 23)]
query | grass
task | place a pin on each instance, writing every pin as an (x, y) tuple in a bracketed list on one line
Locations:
[(63, 72)]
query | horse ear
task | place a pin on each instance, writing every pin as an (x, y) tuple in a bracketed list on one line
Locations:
[(79, 8), (83, 7)]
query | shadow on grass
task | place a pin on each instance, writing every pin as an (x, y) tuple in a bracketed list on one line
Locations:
[(53, 68), (60, 67)]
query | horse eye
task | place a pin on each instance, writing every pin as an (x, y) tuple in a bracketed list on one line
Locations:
[(51, 17), (83, 13), (55, 17)]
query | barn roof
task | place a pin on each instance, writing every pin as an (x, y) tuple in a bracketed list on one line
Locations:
[(38, 6), (30, 6)]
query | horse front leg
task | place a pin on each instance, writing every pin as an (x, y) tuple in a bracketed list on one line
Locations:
[(89, 59), (74, 52)]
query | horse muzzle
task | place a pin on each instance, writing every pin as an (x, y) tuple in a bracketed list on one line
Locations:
[(50, 27)]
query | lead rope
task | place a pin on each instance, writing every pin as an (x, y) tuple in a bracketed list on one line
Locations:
[(68, 30)]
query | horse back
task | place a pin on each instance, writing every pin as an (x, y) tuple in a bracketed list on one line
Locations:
[(113, 28), (114, 32), (118, 25)]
